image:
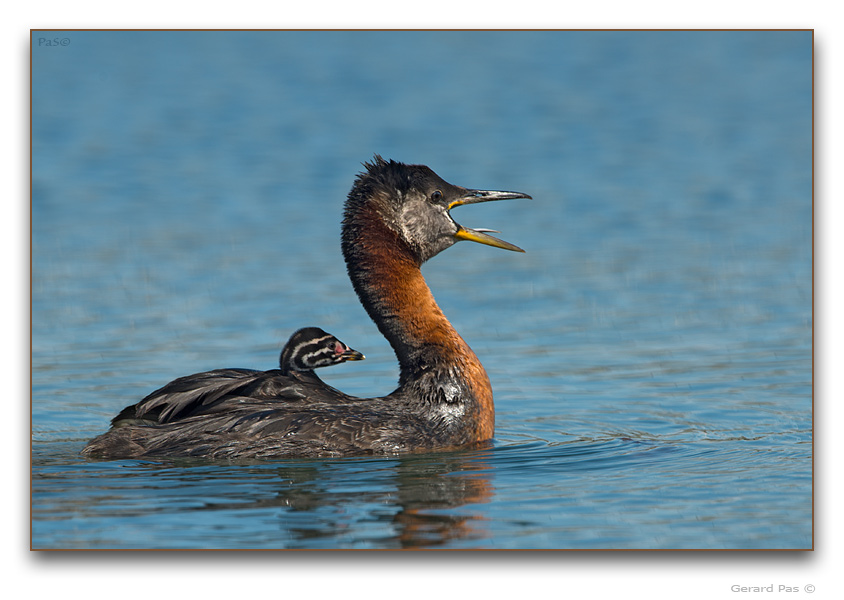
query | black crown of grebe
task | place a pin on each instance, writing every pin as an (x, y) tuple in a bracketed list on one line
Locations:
[(396, 217)]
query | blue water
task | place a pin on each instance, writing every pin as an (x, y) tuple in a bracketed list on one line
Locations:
[(651, 353)]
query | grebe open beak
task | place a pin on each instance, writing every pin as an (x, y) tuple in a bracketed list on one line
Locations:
[(480, 235)]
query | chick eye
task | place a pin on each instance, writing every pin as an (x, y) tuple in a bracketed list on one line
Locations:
[(437, 196)]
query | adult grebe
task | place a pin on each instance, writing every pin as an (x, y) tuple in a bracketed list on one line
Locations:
[(396, 218)]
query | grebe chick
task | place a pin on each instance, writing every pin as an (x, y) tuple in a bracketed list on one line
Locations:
[(307, 349), (311, 348), (396, 218)]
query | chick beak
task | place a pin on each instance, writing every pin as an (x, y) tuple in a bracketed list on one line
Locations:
[(481, 235), (350, 354)]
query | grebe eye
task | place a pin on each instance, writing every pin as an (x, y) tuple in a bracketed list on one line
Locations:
[(437, 196)]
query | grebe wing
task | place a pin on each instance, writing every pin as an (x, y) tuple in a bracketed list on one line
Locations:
[(184, 396), (223, 389)]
